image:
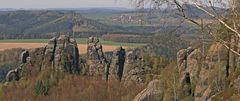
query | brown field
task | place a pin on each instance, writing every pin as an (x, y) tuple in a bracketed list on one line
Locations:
[(82, 47)]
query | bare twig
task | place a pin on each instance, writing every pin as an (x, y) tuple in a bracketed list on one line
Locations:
[(225, 44), (221, 21)]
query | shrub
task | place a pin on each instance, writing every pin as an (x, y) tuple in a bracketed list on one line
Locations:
[(42, 88), (1, 89), (45, 81), (156, 62)]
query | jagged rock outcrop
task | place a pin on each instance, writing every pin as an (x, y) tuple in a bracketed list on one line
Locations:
[(189, 60), (24, 56), (129, 65), (9, 61), (189, 65), (181, 86), (96, 61), (210, 74), (60, 54), (153, 92), (95, 50), (182, 56), (117, 63), (135, 68), (124, 65), (14, 75)]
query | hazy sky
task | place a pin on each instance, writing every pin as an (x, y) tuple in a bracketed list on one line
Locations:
[(66, 3), (63, 3)]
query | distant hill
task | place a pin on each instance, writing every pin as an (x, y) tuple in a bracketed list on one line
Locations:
[(34, 22), (109, 15), (40, 21), (190, 10), (103, 10), (7, 9)]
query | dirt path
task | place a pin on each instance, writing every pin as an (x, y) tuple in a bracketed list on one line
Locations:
[(82, 47)]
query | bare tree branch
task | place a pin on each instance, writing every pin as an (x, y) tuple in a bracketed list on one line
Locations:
[(225, 44), (221, 21)]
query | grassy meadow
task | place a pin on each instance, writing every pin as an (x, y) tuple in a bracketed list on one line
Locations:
[(79, 41)]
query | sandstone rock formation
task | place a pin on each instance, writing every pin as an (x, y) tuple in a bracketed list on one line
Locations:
[(189, 64), (123, 65), (95, 50), (128, 65), (207, 73), (60, 54), (153, 92), (9, 61), (182, 56), (117, 63), (96, 61), (135, 68), (189, 61), (14, 75), (24, 56)]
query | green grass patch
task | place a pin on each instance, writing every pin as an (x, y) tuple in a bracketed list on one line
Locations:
[(79, 41)]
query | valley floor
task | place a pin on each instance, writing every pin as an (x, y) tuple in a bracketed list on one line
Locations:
[(82, 44), (82, 47)]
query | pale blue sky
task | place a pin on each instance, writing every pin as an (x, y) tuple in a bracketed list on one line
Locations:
[(63, 3)]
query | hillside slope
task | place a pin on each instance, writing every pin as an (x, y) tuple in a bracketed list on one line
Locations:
[(35, 22)]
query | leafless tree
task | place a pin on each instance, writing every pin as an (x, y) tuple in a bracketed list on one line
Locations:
[(232, 7)]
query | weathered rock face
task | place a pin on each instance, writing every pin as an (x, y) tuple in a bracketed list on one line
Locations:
[(189, 64), (96, 61), (9, 61), (182, 56), (117, 63), (124, 65), (14, 75), (153, 92), (94, 50), (189, 61), (135, 68), (24, 56), (209, 74), (61, 54)]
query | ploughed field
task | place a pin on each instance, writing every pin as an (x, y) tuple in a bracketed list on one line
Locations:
[(82, 44)]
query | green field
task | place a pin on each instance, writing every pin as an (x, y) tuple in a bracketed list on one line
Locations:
[(79, 41)]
